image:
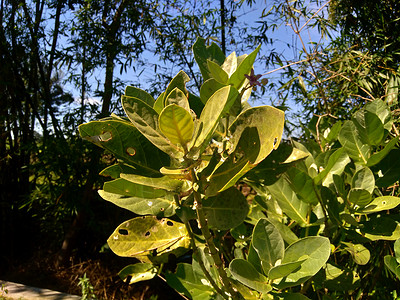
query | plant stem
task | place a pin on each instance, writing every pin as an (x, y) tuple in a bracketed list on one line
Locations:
[(226, 284)]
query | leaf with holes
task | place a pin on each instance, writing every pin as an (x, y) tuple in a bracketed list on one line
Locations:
[(268, 123), (138, 198), (236, 165), (138, 272), (137, 236), (176, 124), (244, 272), (145, 119), (164, 182), (123, 140), (226, 210)]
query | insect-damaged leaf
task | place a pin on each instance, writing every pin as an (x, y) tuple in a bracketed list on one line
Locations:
[(137, 236)]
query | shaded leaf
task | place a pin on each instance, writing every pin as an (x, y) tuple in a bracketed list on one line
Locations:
[(135, 92), (364, 179), (202, 53), (284, 270), (164, 182), (245, 273), (226, 210), (359, 197), (377, 157), (352, 143), (138, 272), (359, 253)]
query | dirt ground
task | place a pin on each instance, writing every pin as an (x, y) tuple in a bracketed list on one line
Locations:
[(41, 271)]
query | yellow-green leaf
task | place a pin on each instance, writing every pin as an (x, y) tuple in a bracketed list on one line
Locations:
[(176, 124)]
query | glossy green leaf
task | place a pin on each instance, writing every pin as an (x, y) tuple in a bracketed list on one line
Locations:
[(176, 96), (176, 124), (288, 201), (138, 272), (135, 92), (202, 53), (380, 204), (364, 179), (359, 197), (164, 182), (142, 234), (268, 243), (284, 270), (337, 161), (378, 156), (314, 250), (217, 72), (123, 140), (190, 282), (245, 273), (145, 119), (226, 210), (352, 143), (138, 198), (392, 265), (219, 102), (244, 68), (268, 122)]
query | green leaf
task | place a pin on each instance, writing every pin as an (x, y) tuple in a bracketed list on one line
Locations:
[(284, 270), (392, 265), (245, 273), (388, 169), (236, 165), (138, 272), (176, 96), (337, 161), (123, 140), (202, 53), (268, 122), (303, 185), (315, 250), (226, 210), (114, 171), (359, 197), (140, 235), (179, 81), (364, 179), (268, 243), (380, 227), (369, 127), (176, 124), (145, 119), (359, 253), (380, 109), (287, 234), (159, 104), (337, 279), (138, 198), (377, 157), (131, 91), (397, 250), (218, 103), (244, 68), (230, 64), (190, 282), (208, 88), (288, 201), (164, 182), (392, 90), (352, 143), (217, 72)]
